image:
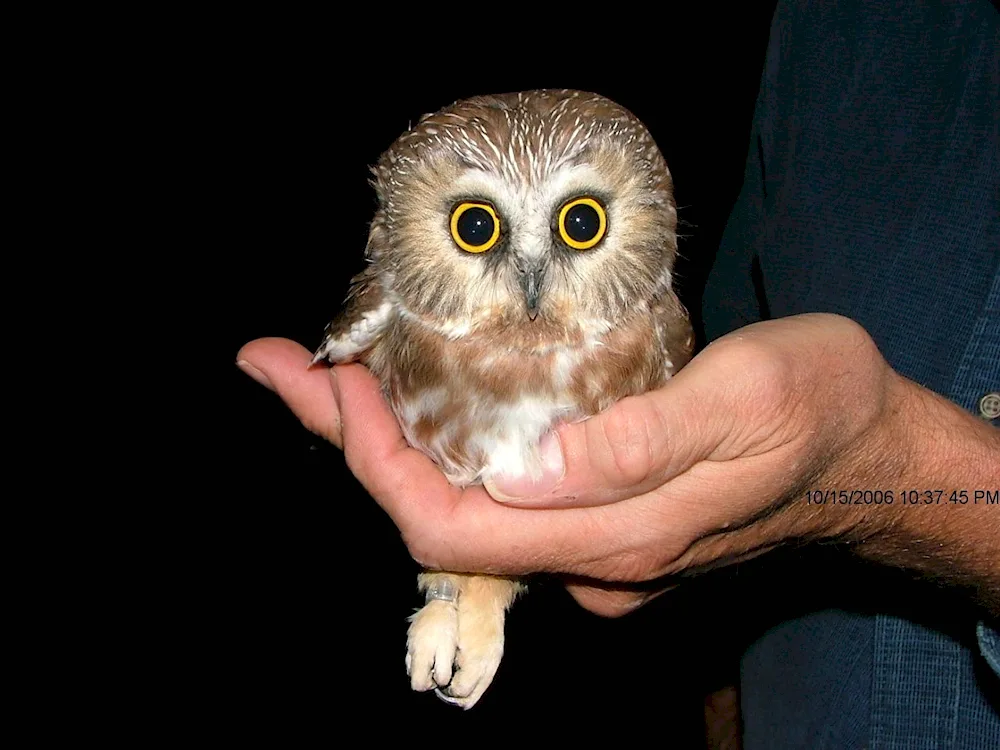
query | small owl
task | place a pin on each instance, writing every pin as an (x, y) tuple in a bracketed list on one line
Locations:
[(519, 276)]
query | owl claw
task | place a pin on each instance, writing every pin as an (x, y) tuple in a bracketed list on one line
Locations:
[(446, 698)]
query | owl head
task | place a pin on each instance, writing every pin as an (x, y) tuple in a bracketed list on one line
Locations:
[(545, 210)]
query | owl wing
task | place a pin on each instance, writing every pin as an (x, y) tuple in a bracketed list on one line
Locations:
[(367, 311), (673, 329)]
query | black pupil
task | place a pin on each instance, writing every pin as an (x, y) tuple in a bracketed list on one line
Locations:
[(582, 222), (475, 226)]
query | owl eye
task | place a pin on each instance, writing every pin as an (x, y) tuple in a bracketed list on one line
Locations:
[(582, 223), (475, 227)]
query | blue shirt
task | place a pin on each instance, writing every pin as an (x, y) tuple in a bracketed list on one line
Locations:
[(872, 190)]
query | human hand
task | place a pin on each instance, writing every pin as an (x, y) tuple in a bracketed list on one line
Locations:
[(706, 470)]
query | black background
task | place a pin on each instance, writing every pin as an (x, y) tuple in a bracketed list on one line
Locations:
[(305, 591)]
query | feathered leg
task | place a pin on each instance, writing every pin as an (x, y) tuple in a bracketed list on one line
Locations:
[(455, 642)]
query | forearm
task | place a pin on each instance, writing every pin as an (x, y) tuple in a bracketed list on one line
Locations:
[(934, 458)]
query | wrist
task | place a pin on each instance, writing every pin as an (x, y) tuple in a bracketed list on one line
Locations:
[(931, 458), (847, 496)]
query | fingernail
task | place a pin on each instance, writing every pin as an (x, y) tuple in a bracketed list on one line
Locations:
[(254, 373), (505, 489)]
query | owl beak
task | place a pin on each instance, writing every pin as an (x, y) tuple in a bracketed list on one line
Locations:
[(531, 282)]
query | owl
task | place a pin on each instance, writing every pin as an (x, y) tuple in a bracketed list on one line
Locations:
[(519, 275)]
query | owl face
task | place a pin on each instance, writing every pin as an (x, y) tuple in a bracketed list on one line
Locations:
[(541, 210)]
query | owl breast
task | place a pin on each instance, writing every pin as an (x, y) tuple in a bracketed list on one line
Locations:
[(479, 402)]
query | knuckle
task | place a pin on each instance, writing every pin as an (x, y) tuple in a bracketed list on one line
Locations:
[(630, 566), (421, 552), (769, 367), (623, 446), (429, 550), (353, 457), (767, 371)]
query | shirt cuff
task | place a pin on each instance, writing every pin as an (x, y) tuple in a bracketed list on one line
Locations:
[(989, 645)]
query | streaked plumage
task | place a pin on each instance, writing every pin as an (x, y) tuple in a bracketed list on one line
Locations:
[(481, 353)]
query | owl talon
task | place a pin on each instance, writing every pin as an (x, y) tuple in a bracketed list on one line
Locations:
[(446, 698), (431, 645), (479, 657)]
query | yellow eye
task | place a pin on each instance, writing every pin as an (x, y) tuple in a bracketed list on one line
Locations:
[(475, 227), (582, 223)]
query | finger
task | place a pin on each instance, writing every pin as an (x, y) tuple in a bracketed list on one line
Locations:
[(606, 602), (631, 448), (283, 366), (397, 476)]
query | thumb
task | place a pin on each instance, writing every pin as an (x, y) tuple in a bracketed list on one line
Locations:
[(631, 448)]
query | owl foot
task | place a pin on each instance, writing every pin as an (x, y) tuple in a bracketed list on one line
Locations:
[(455, 643), (455, 648), (431, 644), (480, 649)]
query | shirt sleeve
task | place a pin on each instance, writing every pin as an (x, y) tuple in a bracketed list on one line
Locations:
[(989, 645), (731, 298)]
